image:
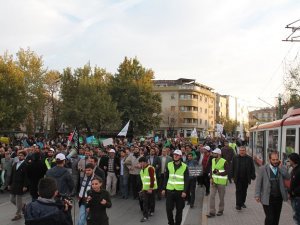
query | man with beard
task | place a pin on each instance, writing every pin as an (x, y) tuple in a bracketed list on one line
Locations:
[(270, 190), (176, 184), (132, 163)]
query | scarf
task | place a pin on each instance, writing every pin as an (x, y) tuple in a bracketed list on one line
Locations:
[(85, 186)]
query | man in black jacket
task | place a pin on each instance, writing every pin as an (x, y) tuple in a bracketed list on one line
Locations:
[(46, 210), (295, 185), (243, 171)]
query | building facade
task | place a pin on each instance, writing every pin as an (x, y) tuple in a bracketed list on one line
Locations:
[(262, 116), (186, 105)]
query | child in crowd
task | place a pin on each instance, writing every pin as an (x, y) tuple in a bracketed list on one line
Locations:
[(97, 201)]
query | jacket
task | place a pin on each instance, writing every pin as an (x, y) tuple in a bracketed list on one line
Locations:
[(63, 178), (295, 182), (263, 185), (19, 179), (249, 165), (46, 212)]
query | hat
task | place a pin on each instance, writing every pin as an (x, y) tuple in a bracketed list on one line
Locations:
[(112, 151), (60, 157), (218, 151), (177, 152), (207, 148), (52, 149)]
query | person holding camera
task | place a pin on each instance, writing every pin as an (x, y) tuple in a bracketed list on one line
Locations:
[(219, 178), (46, 210)]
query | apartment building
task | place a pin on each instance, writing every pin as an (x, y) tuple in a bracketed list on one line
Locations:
[(186, 105)]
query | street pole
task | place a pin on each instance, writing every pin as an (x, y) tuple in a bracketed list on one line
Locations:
[(279, 107)]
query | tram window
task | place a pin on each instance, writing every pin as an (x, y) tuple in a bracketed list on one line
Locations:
[(260, 145), (289, 143), (273, 140)]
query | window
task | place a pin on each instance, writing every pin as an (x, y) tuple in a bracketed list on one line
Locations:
[(195, 121), (200, 110), (205, 99), (181, 96), (290, 141), (200, 122), (182, 108), (273, 140), (212, 111), (195, 108), (195, 96), (200, 97), (172, 96), (173, 108), (205, 122), (205, 111), (260, 145)]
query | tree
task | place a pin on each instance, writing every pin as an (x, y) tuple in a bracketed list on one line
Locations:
[(13, 108), (86, 102), (229, 125), (32, 67), (131, 88), (52, 84), (292, 82)]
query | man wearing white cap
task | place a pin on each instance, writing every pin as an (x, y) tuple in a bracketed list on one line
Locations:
[(62, 176), (112, 171), (219, 172), (176, 184)]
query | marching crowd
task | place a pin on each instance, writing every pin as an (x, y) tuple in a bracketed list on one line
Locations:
[(144, 170)]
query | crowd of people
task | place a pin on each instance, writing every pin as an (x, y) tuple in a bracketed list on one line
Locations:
[(141, 169)]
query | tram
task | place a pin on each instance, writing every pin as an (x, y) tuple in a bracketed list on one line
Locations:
[(280, 135)]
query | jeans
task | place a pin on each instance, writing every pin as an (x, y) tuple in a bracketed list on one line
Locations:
[(124, 185), (296, 207), (82, 215)]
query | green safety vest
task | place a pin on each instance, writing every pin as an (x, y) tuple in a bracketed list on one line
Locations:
[(48, 165), (218, 179), (146, 178), (176, 178), (233, 146)]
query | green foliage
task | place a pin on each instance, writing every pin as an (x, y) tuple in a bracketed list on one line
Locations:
[(229, 125), (87, 103), (32, 67), (12, 94), (131, 89)]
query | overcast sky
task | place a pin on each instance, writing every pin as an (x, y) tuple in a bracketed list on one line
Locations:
[(233, 46)]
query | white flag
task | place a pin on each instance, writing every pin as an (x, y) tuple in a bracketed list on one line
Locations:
[(123, 132), (194, 133)]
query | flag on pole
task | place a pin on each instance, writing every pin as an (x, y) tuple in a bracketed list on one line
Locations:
[(124, 131), (75, 138), (194, 137)]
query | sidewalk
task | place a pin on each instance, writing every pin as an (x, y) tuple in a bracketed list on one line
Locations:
[(252, 215)]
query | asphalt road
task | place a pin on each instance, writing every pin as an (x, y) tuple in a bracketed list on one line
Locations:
[(125, 212)]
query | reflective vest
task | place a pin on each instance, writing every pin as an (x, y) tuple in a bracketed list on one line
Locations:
[(146, 178), (48, 165), (176, 178), (233, 146), (218, 179)]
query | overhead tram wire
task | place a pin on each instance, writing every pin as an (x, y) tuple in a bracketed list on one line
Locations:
[(277, 68)]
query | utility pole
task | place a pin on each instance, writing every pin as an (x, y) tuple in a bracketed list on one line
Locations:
[(279, 107)]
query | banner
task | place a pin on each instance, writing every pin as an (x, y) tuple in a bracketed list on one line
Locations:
[(90, 139), (75, 138), (4, 140), (107, 142)]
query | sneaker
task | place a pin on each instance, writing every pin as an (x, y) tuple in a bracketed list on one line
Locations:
[(238, 208), (151, 214), (210, 215), (219, 213), (244, 206), (144, 219), (17, 217)]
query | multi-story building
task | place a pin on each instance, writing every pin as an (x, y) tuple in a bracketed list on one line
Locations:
[(221, 107), (186, 105), (262, 116)]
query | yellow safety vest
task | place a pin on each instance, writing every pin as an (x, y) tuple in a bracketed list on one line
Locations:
[(146, 178), (218, 179), (176, 178)]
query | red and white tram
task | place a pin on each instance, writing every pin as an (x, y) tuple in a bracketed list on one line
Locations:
[(281, 135)]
